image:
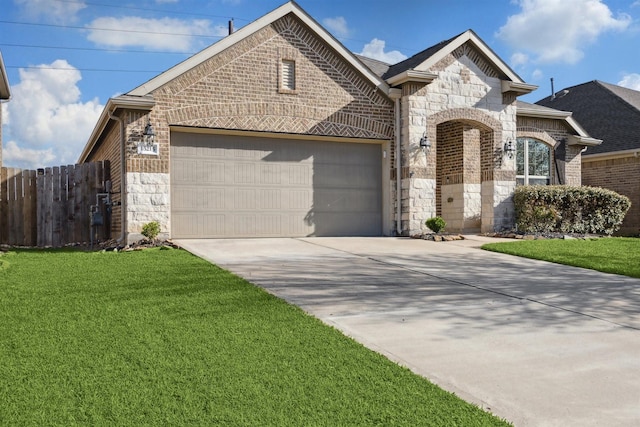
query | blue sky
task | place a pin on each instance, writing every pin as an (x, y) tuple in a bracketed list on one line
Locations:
[(63, 65)]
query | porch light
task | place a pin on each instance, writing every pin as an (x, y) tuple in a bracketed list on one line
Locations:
[(148, 137), (148, 144), (425, 144), (509, 149)]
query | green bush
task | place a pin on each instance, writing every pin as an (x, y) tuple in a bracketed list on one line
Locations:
[(436, 224), (151, 230), (567, 209)]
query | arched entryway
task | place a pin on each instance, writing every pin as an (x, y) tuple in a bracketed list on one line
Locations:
[(467, 153)]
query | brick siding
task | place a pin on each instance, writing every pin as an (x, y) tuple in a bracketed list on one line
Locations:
[(621, 176)]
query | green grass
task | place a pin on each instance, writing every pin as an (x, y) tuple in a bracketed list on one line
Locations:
[(616, 255), (160, 337)]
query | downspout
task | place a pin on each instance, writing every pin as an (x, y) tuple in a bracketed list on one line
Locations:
[(398, 153), (123, 182)]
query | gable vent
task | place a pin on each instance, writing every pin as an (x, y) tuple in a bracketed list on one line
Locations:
[(288, 75)]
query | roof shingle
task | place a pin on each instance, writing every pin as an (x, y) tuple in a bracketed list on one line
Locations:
[(606, 111)]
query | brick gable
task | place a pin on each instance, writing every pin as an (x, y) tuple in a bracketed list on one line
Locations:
[(238, 89)]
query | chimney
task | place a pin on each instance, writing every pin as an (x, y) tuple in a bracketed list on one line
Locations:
[(553, 91), (231, 26)]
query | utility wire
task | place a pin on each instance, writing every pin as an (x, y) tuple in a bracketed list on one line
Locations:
[(144, 9), (38, 67), (109, 29), (95, 49)]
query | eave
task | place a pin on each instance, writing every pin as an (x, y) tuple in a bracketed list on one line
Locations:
[(413, 76), (621, 154), (490, 55), (518, 88), (119, 103), (5, 90), (585, 141)]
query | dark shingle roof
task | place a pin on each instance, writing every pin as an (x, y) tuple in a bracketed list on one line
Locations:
[(416, 59), (378, 67), (607, 112)]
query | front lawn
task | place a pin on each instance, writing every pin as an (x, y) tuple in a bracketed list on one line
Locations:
[(616, 255), (160, 337)]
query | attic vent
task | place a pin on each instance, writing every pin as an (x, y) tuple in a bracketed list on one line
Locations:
[(288, 75)]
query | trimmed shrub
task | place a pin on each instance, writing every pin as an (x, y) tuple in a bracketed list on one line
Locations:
[(566, 209), (151, 230), (436, 224)]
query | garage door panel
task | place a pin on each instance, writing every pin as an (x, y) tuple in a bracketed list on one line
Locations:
[(229, 186)]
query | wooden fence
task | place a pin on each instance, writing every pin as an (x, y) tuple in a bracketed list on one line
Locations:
[(51, 207)]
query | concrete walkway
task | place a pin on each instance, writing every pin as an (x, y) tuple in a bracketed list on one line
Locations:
[(536, 343)]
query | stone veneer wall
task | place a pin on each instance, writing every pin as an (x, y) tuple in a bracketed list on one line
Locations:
[(467, 91), (147, 200), (619, 174)]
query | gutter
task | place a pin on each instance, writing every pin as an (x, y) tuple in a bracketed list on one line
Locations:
[(123, 180)]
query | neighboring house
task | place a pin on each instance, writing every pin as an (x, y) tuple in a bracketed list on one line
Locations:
[(612, 114), (279, 130), (5, 94)]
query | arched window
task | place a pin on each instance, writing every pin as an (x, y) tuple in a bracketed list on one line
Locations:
[(533, 162)]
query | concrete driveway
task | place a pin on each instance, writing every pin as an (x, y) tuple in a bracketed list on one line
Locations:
[(536, 343)]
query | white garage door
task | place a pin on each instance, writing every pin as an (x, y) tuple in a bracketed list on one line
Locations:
[(239, 186)]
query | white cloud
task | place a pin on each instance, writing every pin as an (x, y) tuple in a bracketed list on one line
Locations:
[(337, 25), (375, 49), (46, 124), (164, 33), (632, 81), (59, 12), (537, 74), (519, 58), (558, 30), (26, 157)]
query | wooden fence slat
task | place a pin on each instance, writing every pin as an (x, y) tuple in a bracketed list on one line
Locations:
[(50, 206), (32, 237), (18, 210), (40, 207)]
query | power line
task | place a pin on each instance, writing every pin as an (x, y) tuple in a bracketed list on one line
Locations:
[(109, 29), (144, 9), (38, 67), (94, 49)]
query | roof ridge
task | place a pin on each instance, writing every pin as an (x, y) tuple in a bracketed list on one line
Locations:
[(615, 89)]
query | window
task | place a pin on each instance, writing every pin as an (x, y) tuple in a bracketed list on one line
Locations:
[(288, 76), (533, 162)]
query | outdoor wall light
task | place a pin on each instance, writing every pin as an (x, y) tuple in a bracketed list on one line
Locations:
[(509, 149), (148, 144), (149, 136), (425, 144)]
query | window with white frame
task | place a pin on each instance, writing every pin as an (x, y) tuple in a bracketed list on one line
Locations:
[(533, 162)]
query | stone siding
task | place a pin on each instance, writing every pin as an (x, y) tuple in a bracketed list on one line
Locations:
[(147, 200), (466, 118)]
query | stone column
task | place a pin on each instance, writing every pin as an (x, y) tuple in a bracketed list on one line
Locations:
[(418, 178)]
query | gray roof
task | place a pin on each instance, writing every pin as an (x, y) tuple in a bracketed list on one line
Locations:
[(417, 59), (378, 67), (606, 111)]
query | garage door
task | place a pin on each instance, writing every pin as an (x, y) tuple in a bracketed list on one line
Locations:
[(239, 186)]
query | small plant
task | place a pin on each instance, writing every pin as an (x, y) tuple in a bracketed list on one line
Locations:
[(151, 230), (436, 224)]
